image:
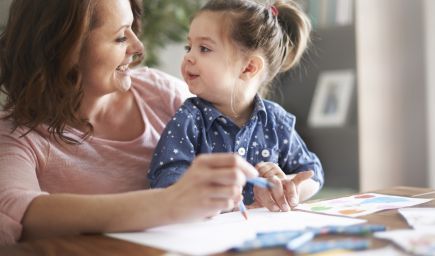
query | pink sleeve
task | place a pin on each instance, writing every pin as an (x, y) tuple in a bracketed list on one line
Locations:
[(18, 182)]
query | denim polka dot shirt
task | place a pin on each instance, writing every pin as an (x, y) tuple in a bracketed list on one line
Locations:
[(197, 128)]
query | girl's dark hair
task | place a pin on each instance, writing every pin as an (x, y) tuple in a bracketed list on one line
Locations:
[(39, 54), (281, 31)]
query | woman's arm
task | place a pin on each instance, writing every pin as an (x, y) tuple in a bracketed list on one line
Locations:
[(212, 183), (61, 214)]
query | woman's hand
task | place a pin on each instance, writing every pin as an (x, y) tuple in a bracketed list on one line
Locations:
[(212, 183), (285, 193)]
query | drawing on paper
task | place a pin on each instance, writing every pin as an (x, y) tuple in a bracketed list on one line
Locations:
[(361, 204)]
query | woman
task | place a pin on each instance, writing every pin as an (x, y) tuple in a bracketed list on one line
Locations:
[(79, 127)]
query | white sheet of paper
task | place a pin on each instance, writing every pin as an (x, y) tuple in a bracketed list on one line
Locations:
[(417, 242), (419, 218), (388, 250), (228, 230)]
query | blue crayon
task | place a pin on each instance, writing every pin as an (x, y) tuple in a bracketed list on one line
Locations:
[(345, 244), (269, 240), (260, 182), (299, 241), (363, 229)]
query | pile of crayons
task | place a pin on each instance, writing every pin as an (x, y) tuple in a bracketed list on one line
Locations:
[(299, 242)]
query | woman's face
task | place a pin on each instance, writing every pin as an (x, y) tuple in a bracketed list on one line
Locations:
[(109, 49)]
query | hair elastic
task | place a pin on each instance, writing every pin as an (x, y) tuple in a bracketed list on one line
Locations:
[(274, 10)]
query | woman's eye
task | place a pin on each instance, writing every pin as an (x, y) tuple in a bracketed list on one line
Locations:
[(187, 48), (204, 49), (121, 39)]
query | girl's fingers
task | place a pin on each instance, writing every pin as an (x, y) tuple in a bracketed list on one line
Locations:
[(268, 169), (302, 176), (264, 198), (291, 192), (278, 194)]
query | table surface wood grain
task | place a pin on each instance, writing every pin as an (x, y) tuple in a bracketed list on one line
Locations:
[(82, 245)]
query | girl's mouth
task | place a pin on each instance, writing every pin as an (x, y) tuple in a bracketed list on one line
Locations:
[(191, 76)]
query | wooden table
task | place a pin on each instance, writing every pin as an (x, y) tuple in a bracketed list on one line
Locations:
[(102, 245)]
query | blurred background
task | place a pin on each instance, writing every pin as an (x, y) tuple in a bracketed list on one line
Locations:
[(363, 95)]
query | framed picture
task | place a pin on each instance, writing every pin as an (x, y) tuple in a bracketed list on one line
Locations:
[(331, 100)]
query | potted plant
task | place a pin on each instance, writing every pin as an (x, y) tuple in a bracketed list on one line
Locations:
[(163, 22)]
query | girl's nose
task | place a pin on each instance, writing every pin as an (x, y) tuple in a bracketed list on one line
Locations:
[(189, 57)]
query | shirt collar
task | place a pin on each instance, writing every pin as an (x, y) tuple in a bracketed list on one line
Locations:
[(210, 113)]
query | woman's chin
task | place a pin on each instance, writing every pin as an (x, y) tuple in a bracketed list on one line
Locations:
[(123, 84)]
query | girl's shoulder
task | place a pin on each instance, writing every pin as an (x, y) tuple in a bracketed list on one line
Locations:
[(277, 111)]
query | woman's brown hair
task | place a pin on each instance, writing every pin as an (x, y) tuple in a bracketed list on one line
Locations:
[(39, 54)]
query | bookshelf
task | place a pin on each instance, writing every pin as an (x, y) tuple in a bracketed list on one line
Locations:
[(329, 13)]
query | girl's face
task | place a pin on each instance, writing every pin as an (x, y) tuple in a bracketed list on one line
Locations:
[(209, 67), (109, 49)]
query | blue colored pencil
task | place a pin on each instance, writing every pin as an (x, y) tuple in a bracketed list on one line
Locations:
[(257, 181), (260, 182), (243, 210)]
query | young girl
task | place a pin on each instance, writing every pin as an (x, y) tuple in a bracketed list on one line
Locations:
[(235, 49)]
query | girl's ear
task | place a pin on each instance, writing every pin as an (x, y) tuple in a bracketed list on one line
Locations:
[(253, 67)]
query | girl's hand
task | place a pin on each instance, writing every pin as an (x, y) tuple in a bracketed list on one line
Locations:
[(212, 184), (285, 193)]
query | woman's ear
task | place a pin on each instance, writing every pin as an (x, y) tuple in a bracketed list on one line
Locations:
[(253, 67)]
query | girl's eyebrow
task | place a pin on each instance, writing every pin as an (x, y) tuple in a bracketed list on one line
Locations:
[(203, 39)]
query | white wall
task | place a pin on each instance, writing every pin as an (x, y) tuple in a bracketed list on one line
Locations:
[(171, 57), (4, 9), (429, 7), (391, 93)]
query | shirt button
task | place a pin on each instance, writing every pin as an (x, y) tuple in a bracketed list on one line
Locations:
[(241, 151), (265, 153)]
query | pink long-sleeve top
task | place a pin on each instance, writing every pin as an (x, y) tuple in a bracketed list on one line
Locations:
[(35, 164)]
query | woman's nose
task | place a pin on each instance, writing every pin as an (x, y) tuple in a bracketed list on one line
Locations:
[(136, 46)]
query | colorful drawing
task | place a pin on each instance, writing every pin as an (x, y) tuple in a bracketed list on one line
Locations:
[(361, 204), (363, 196)]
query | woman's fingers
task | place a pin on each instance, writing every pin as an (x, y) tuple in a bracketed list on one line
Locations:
[(222, 160), (213, 183)]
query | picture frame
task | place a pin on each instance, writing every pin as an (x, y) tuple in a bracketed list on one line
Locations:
[(331, 99)]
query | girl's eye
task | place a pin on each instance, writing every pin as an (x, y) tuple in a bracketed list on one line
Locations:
[(204, 49), (121, 39), (187, 48)]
